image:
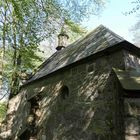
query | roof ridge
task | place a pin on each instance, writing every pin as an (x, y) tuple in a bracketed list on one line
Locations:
[(93, 31), (87, 34), (113, 33)]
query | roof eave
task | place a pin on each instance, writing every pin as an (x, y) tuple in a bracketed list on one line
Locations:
[(131, 47)]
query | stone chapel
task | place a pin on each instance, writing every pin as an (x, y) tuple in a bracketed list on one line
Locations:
[(89, 90)]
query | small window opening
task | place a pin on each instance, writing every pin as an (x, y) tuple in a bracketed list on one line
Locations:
[(64, 92)]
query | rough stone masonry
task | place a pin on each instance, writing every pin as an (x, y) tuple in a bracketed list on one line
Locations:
[(87, 91)]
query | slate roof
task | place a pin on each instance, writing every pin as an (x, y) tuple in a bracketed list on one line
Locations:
[(130, 79), (96, 41)]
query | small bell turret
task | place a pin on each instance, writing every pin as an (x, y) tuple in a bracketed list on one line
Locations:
[(62, 40)]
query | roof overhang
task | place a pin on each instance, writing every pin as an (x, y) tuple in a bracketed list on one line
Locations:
[(129, 79), (130, 82)]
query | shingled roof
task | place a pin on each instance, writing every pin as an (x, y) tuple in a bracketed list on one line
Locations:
[(98, 40)]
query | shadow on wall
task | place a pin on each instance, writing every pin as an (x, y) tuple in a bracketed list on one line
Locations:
[(85, 112), (132, 118)]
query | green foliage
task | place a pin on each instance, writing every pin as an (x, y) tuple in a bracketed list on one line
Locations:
[(26, 23), (74, 27), (74, 30), (79, 9), (3, 108)]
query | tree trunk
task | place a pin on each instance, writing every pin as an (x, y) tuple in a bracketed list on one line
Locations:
[(15, 84), (3, 51), (14, 79)]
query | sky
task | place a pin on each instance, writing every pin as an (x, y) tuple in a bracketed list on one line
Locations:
[(113, 17)]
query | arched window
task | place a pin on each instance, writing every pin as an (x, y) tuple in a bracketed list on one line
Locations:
[(64, 92)]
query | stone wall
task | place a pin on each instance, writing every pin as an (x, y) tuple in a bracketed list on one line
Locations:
[(89, 111), (17, 113), (132, 61), (132, 105), (132, 118)]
